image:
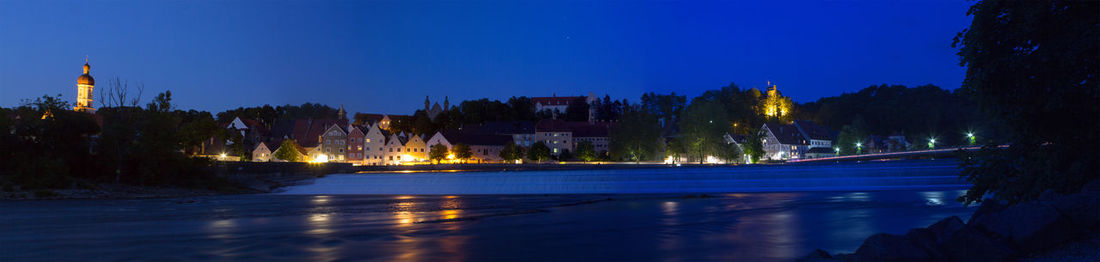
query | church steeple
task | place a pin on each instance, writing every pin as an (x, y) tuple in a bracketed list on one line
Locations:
[(85, 85), (341, 114)]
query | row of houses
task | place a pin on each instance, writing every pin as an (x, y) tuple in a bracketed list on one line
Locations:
[(335, 140), (799, 139)]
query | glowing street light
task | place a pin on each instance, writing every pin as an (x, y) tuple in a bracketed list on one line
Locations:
[(837, 151), (859, 148), (970, 136), (931, 143)]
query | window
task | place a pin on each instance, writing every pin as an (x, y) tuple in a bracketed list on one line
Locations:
[(391, 149), (368, 140), (391, 158)]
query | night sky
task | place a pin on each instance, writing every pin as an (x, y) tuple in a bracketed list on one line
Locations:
[(386, 56)]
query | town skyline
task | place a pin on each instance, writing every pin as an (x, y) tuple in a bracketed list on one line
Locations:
[(246, 65)]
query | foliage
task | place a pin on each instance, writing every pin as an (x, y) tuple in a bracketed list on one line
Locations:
[(577, 110), (511, 152), (268, 115), (925, 110), (462, 151), (538, 152), (586, 151), (437, 152), (636, 136), (702, 127), (1033, 65), (852, 138), (45, 144), (730, 153), (667, 108), (754, 145), (288, 151)]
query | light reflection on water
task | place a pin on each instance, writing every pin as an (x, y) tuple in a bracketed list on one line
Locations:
[(753, 227), (933, 198)]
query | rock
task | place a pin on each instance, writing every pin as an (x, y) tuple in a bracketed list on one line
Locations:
[(943, 229), (886, 247), (969, 244), (817, 255), (1093, 186), (926, 240), (1030, 225), (988, 206), (1050, 195), (1082, 209)]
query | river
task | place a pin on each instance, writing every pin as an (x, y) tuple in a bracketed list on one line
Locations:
[(764, 213)]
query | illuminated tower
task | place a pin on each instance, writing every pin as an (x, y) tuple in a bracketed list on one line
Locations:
[(84, 87), (775, 105)]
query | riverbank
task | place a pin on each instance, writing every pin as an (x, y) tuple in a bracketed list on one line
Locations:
[(1053, 228), (231, 178)]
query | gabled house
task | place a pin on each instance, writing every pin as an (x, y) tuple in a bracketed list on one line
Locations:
[(334, 143), (355, 145), (799, 139), (416, 149), (374, 143), (262, 153), (395, 147)]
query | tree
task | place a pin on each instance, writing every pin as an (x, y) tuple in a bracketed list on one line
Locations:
[(538, 152), (702, 127), (462, 152), (1033, 65), (437, 152), (511, 152), (754, 145), (287, 151), (577, 110), (585, 151), (636, 137), (729, 152), (852, 138), (667, 108)]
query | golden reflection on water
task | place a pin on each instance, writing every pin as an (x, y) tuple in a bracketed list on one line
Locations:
[(411, 246), (451, 214)]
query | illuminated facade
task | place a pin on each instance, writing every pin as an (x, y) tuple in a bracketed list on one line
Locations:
[(774, 104), (85, 85)]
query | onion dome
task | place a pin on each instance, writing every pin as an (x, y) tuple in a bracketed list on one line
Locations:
[(86, 79)]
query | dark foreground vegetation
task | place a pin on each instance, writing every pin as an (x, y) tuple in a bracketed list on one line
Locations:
[(46, 145), (1033, 66)]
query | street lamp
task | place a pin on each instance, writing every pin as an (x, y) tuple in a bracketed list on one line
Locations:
[(931, 143), (859, 148), (970, 135), (837, 151)]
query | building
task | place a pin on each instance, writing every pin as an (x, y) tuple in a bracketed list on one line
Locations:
[(522, 132), (395, 150), (483, 148), (797, 140), (556, 134), (374, 143), (435, 110), (561, 136), (416, 149), (557, 105), (775, 105), (85, 87), (595, 132), (355, 145), (334, 144), (262, 153)]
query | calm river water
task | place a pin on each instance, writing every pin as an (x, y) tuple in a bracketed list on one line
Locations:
[(748, 213)]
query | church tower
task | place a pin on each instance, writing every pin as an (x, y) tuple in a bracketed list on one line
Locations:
[(84, 88)]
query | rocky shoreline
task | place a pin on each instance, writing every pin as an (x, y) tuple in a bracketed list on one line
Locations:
[(1053, 228)]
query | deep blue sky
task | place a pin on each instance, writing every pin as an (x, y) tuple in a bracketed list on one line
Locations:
[(386, 56)]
